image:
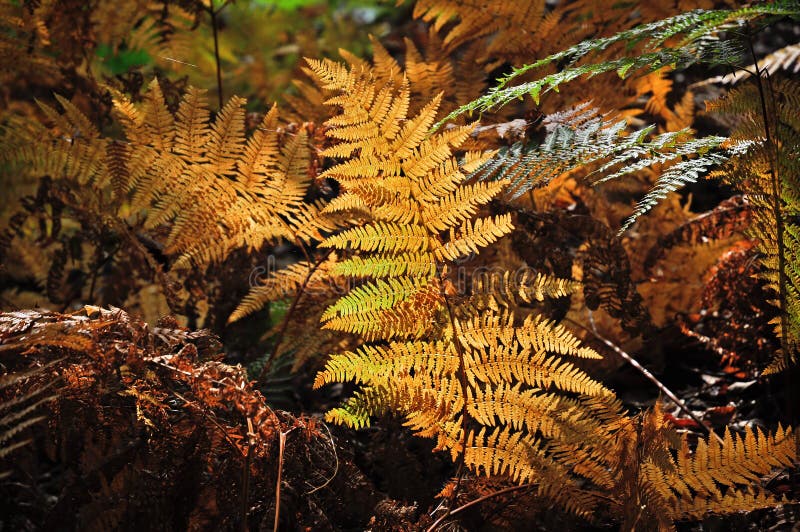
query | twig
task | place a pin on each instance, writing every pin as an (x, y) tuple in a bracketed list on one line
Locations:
[(246, 477), (281, 448), (479, 500), (644, 371)]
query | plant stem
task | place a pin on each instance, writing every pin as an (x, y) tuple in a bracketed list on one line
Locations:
[(213, 12), (462, 379), (288, 316), (776, 207), (246, 476), (281, 449)]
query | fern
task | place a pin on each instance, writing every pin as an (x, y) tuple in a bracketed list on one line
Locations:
[(168, 161), (21, 411), (496, 391), (718, 476), (259, 184), (580, 136), (481, 365), (454, 376), (678, 174), (731, 216), (766, 173), (694, 31), (786, 58)]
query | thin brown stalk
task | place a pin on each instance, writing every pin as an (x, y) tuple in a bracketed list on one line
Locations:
[(462, 379), (246, 477), (214, 28), (644, 371), (281, 448), (479, 500), (288, 316), (776, 206)]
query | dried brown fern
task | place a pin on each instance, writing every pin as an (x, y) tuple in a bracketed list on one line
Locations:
[(132, 400)]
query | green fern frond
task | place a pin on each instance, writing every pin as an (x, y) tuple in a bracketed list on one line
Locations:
[(697, 43)]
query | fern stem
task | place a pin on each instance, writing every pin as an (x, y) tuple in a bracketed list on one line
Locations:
[(776, 206), (462, 379), (287, 318)]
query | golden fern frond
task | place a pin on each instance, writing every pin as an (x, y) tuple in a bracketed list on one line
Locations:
[(407, 181), (382, 237), (388, 265), (537, 370), (252, 188), (494, 389), (549, 414), (475, 22), (482, 386), (463, 203), (157, 123), (502, 452), (70, 148), (535, 332), (395, 307), (385, 68), (367, 402), (736, 460), (670, 481), (378, 295), (497, 354), (379, 365), (470, 237), (346, 202), (731, 501), (434, 73), (269, 209), (258, 182), (495, 289), (720, 476), (429, 67), (545, 286)]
